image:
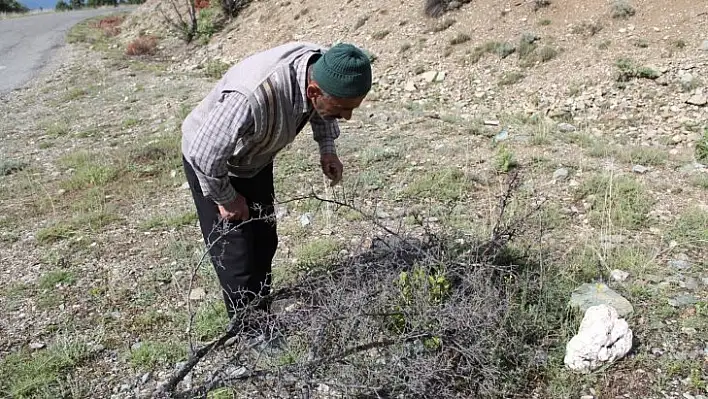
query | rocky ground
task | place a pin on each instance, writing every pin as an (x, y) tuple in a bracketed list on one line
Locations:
[(604, 117)]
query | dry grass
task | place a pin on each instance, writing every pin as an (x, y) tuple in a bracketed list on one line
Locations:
[(142, 45)]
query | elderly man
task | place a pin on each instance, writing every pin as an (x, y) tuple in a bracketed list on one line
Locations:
[(229, 142)]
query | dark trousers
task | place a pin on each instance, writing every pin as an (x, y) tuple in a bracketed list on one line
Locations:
[(243, 256)]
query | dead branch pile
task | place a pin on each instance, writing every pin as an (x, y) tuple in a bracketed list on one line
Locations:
[(415, 318)]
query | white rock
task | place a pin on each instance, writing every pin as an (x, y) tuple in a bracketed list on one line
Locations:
[(566, 127), (602, 338), (197, 294), (410, 86), (305, 219), (37, 345), (619, 275), (430, 76)]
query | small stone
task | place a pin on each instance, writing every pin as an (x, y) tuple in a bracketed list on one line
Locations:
[(184, 186), (682, 300), (136, 346), (430, 76), (679, 264), (640, 169), (688, 396), (281, 212), (587, 397), (589, 294), (690, 284), (410, 86), (501, 136), (454, 5), (197, 294), (37, 345), (704, 280), (689, 330), (305, 220), (560, 174), (619, 275), (704, 45), (698, 99), (145, 378), (440, 77), (566, 127), (382, 214), (491, 123)]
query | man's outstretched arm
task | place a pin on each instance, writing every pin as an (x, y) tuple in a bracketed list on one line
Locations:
[(325, 133)]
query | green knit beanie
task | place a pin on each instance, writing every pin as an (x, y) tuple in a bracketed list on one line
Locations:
[(344, 71)]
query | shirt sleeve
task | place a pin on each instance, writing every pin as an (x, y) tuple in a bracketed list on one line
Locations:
[(215, 142), (324, 133)]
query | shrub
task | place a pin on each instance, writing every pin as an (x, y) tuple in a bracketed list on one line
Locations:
[(142, 45), (109, 25), (702, 148), (430, 317), (622, 9)]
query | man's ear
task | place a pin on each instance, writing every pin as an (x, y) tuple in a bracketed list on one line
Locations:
[(313, 91)]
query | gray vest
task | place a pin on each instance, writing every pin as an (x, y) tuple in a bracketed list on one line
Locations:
[(264, 78)]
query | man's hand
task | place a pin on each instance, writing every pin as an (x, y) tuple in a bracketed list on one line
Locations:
[(332, 168), (235, 210)]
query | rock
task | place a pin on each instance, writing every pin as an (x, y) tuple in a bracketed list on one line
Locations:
[(453, 5), (430, 76), (566, 127), (501, 136), (560, 174), (145, 378), (686, 79), (440, 77), (705, 281), (640, 169), (410, 86), (305, 220), (619, 275), (491, 123), (184, 186), (682, 300), (698, 99), (37, 345), (603, 337), (679, 264), (589, 294), (704, 45), (690, 284), (281, 212), (197, 294)]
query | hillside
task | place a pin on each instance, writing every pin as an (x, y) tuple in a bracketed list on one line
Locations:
[(525, 159)]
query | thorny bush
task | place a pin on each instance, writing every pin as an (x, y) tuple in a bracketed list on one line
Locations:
[(440, 315)]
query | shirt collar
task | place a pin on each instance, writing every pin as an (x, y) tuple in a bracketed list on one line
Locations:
[(301, 75)]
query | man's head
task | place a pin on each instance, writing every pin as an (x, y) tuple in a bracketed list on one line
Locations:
[(339, 81)]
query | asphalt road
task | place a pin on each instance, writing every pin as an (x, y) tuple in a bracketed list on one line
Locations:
[(27, 43)]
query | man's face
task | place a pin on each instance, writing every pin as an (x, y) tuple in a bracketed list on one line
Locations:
[(330, 108)]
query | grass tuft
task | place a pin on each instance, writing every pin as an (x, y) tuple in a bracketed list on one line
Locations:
[(41, 374), (620, 201)]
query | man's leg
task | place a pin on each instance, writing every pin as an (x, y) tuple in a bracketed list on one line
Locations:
[(259, 191), (241, 256)]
